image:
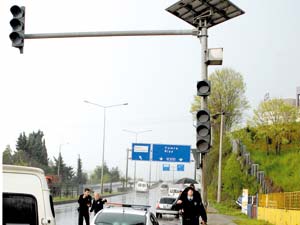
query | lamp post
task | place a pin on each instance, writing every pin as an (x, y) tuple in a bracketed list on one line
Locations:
[(104, 123), (59, 159), (222, 114), (136, 139)]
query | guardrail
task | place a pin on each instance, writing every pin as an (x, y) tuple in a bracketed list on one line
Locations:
[(285, 200)]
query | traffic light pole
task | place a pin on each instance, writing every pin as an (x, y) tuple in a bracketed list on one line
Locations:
[(192, 32), (204, 104)]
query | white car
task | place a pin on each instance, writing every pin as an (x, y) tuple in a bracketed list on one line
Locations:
[(141, 187), (165, 206), (164, 187), (174, 192), (125, 214)]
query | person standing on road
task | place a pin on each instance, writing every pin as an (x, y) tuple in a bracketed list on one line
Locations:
[(98, 203), (85, 201), (191, 205)]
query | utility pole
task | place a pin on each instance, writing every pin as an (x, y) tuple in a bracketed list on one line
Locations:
[(220, 159), (126, 175), (203, 39)]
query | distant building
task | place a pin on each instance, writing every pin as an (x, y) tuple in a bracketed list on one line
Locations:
[(290, 101)]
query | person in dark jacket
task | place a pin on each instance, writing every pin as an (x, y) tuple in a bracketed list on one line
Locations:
[(191, 205), (85, 201), (98, 203)]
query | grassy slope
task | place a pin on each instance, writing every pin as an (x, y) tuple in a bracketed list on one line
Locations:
[(283, 169)]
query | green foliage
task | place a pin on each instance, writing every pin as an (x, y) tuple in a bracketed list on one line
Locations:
[(66, 173), (284, 168), (274, 120), (110, 175), (31, 150), (34, 147), (275, 111), (7, 156), (228, 95), (235, 179)]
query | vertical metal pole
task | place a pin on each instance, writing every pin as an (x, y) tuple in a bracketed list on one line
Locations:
[(58, 163), (102, 171), (150, 166), (220, 159), (173, 173), (195, 170), (126, 175), (204, 105), (134, 179)]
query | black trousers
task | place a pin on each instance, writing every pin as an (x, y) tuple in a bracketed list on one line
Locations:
[(190, 220), (86, 217)]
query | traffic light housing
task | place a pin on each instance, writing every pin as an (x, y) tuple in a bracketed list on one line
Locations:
[(203, 88), (18, 27), (203, 131)]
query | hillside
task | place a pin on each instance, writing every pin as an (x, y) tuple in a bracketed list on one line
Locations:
[(282, 168), (277, 155)]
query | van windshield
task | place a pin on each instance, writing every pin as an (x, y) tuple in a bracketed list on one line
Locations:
[(19, 209)]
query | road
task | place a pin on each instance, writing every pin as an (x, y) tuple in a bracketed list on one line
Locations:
[(67, 214)]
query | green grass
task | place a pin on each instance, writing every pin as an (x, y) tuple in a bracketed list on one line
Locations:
[(283, 169), (239, 218)]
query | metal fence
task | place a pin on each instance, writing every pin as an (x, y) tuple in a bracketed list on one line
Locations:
[(285, 200), (65, 190)]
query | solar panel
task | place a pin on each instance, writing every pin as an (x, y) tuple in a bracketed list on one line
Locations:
[(216, 11)]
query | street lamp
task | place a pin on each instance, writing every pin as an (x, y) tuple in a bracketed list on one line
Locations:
[(222, 114), (104, 107), (136, 139), (59, 159)]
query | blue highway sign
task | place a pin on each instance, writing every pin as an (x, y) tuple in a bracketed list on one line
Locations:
[(171, 153), (180, 167), (166, 167), (141, 151)]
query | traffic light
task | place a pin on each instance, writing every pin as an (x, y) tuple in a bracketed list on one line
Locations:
[(203, 131), (203, 88), (18, 27)]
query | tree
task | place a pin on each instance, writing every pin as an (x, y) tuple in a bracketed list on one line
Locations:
[(34, 147), (112, 175), (79, 174), (96, 175), (22, 142), (228, 95), (275, 111), (66, 173), (7, 156), (274, 120), (115, 174)]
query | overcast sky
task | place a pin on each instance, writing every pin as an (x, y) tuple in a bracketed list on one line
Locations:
[(45, 87)]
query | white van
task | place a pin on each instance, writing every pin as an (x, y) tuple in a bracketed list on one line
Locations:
[(26, 197), (141, 187)]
